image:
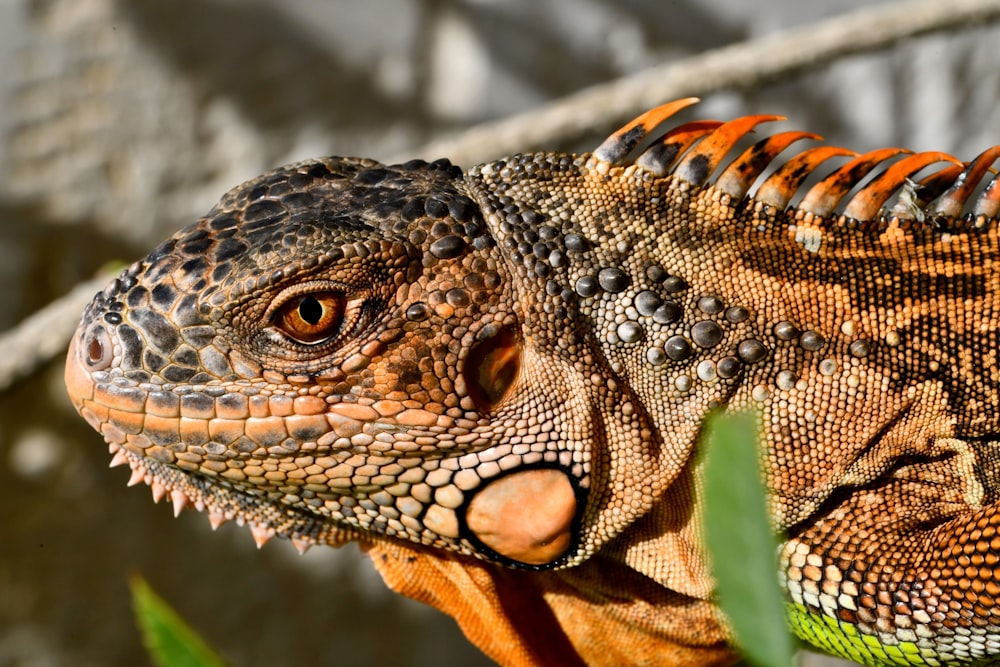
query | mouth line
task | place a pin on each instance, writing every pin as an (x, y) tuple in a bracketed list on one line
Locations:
[(267, 420)]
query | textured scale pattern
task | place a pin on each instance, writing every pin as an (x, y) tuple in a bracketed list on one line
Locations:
[(496, 380)]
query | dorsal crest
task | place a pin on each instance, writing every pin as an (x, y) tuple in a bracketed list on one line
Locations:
[(881, 186)]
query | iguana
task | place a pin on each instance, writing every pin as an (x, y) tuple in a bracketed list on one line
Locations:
[(495, 380)]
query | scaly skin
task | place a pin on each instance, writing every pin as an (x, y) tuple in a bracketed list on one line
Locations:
[(496, 379)]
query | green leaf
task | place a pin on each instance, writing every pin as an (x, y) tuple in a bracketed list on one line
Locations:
[(169, 640), (740, 540)]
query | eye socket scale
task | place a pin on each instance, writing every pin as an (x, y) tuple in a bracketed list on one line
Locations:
[(312, 317)]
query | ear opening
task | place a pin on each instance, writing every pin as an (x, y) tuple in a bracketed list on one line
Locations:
[(492, 367)]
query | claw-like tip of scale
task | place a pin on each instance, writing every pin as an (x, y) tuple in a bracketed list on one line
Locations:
[(179, 500), (216, 519), (138, 474), (119, 459), (159, 491), (301, 544), (261, 534)]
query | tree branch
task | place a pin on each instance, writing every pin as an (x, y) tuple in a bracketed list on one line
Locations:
[(45, 333), (743, 65)]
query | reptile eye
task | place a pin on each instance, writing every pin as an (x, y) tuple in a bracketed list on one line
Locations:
[(311, 318)]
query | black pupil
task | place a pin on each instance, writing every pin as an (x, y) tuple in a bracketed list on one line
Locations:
[(310, 310)]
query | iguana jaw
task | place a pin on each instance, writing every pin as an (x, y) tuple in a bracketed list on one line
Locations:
[(219, 499)]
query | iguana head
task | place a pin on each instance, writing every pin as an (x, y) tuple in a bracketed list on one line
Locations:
[(343, 348)]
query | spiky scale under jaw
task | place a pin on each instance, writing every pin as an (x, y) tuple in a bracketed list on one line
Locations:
[(509, 367)]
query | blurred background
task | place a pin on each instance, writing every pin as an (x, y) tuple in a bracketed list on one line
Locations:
[(123, 120)]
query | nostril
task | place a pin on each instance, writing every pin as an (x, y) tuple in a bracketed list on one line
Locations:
[(95, 351), (98, 348)]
